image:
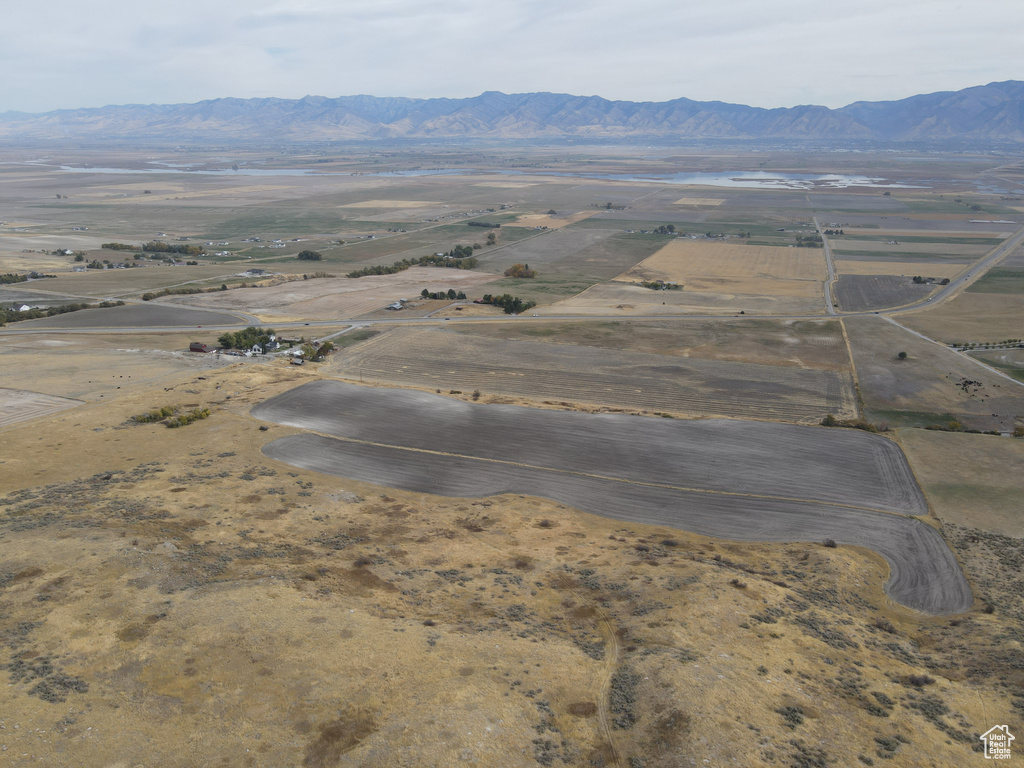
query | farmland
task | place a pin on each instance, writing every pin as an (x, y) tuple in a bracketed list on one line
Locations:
[(591, 462), (470, 537), (864, 292), (541, 371)]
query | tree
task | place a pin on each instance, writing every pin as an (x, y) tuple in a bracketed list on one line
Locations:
[(79, 257), (491, 238), (902, 355), (308, 255)]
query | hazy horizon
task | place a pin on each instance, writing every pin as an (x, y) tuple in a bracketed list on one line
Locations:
[(67, 55)]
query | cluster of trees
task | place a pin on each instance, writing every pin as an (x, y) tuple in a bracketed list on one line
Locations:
[(316, 352), (832, 421), (665, 229), (246, 338), (661, 285), (451, 293), (14, 315), (512, 305), (150, 295), (486, 224), (463, 261), (831, 232), (520, 270), (808, 241), (10, 278), (925, 280), (461, 251), (308, 255), (156, 246)]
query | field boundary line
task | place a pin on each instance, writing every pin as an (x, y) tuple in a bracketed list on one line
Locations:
[(858, 401), (609, 478)]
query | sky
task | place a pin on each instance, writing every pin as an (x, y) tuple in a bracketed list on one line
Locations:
[(66, 54)]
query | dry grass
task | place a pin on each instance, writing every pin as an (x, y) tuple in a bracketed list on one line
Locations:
[(337, 297), (202, 602), (971, 317), (932, 382), (618, 298), (684, 261), (930, 269), (393, 204), (552, 222), (699, 201), (566, 374), (970, 480)]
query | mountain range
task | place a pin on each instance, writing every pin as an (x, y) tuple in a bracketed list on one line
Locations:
[(986, 113)]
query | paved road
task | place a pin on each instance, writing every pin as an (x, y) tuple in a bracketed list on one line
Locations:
[(830, 307)]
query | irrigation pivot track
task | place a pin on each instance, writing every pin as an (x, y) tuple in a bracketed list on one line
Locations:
[(750, 481)]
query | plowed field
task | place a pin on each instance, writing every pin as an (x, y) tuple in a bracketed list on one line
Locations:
[(751, 481)]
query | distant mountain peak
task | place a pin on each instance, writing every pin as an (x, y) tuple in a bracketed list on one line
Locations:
[(984, 113)]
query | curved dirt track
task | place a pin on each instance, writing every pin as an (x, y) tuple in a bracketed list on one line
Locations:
[(750, 481)]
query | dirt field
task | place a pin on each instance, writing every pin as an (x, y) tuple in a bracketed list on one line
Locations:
[(970, 480), (857, 293), (337, 297), (932, 386), (591, 462), (148, 315), (599, 377), (20, 405), (971, 317)]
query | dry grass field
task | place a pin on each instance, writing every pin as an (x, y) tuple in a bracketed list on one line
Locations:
[(337, 297), (702, 297), (803, 343), (176, 596), (934, 385), (539, 372), (94, 368), (683, 260), (699, 201), (937, 270), (976, 481), (971, 317), (552, 222)]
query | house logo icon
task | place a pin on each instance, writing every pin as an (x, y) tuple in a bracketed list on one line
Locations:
[(997, 742)]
